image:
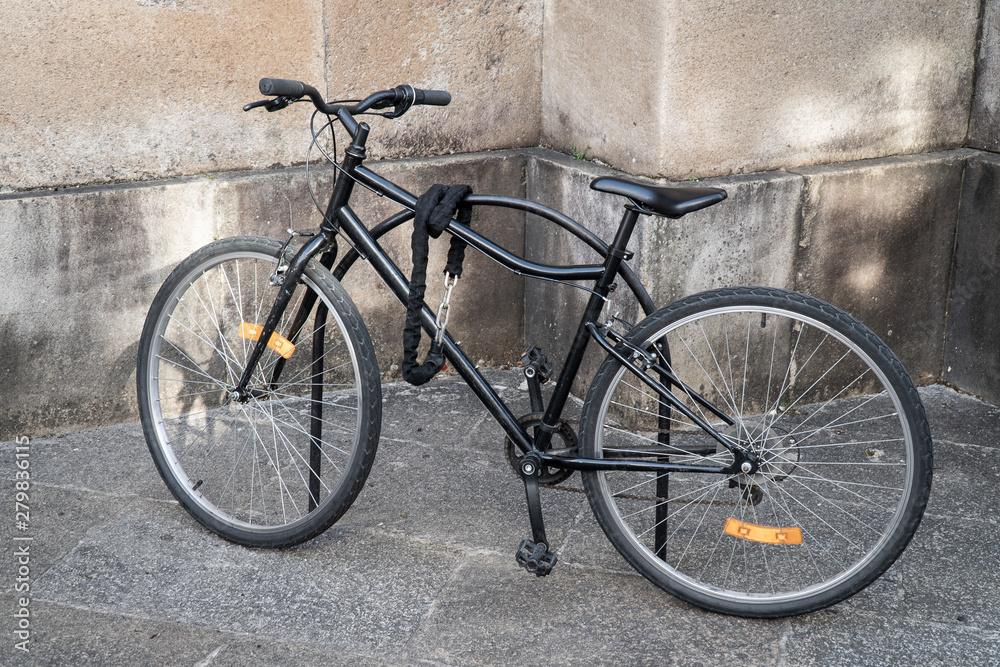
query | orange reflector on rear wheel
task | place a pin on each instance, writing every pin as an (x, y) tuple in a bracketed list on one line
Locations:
[(765, 534), (282, 346)]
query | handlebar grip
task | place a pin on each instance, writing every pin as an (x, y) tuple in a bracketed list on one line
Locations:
[(438, 98), (282, 87)]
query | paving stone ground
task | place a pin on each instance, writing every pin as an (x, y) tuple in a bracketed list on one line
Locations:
[(421, 570)]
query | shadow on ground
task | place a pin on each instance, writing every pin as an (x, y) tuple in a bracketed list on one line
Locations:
[(421, 569)]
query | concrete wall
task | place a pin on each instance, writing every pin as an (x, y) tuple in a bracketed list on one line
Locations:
[(706, 88), (81, 268), (124, 90), (874, 237), (972, 349), (820, 91), (984, 121), (877, 240), (748, 240), (125, 149), (84, 264)]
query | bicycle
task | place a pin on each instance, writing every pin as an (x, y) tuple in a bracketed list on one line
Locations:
[(751, 450)]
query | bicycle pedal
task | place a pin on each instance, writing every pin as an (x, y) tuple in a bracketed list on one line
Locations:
[(536, 364), (536, 558)]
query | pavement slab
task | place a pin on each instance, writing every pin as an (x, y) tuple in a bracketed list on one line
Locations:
[(420, 571)]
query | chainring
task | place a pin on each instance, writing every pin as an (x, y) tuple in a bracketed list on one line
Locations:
[(546, 474)]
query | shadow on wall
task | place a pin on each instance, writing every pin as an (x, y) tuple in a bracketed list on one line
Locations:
[(877, 240), (908, 102), (717, 88)]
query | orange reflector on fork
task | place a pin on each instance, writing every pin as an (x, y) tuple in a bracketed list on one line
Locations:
[(765, 534), (281, 345)]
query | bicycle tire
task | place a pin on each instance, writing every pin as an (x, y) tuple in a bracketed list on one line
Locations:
[(264, 472), (843, 443)]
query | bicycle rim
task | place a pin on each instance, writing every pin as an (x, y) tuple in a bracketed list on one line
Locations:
[(830, 414), (283, 465)]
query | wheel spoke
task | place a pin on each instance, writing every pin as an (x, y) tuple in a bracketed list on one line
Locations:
[(816, 407), (273, 459)]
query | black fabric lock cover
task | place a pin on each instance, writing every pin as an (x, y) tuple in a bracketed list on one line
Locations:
[(435, 208)]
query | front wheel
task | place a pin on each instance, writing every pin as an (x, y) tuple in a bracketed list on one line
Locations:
[(826, 410), (280, 464)]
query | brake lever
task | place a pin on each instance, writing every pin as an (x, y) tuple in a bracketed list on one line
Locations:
[(398, 110), (276, 104), (404, 95)]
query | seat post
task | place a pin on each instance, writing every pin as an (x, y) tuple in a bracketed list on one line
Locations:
[(618, 250)]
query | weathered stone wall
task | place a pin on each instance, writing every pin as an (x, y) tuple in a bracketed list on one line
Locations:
[(118, 95), (706, 88), (123, 90), (874, 237), (750, 239), (984, 121), (972, 347), (85, 263), (125, 149), (877, 240)]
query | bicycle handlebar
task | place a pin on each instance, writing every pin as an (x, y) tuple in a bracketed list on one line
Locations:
[(400, 96), (438, 98), (282, 87)]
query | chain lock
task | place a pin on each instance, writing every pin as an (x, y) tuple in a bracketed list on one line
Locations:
[(442, 313)]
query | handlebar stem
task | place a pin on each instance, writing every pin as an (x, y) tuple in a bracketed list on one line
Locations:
[(344, 185), (352, 126)]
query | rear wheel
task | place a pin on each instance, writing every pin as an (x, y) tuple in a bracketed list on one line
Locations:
[(829, 413), (279, 466)]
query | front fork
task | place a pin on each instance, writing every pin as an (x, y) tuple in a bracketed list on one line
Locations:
[(293, 275), (325, 239), (320, 243)]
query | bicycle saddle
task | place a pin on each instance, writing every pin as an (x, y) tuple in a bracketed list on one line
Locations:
[(671, 201)]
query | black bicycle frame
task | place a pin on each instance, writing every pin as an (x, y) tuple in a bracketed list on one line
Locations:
[(340, 217)]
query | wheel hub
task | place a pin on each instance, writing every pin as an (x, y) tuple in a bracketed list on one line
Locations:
[(765, 455), (765, 452), (242, 397)]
